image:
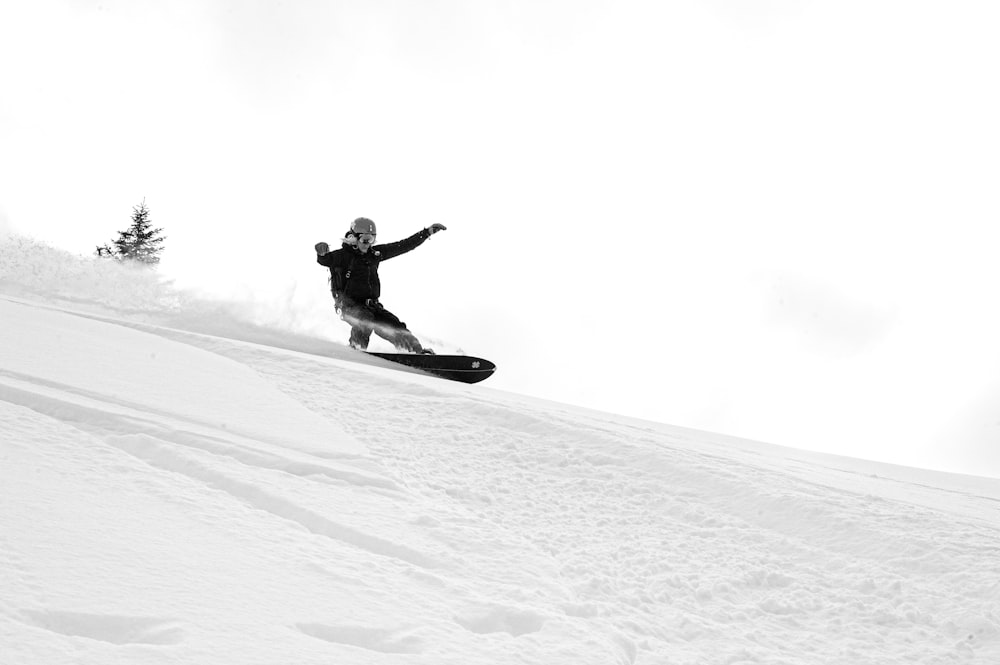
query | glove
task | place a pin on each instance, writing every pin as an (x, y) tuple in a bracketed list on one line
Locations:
[(434, 228), (322, 248)]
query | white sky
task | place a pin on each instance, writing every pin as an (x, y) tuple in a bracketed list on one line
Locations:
[(772, 219)]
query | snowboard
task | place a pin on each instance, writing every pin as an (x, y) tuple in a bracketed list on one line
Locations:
[(466, 369)]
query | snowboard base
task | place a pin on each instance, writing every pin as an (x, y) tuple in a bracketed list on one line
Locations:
[(466, 369)]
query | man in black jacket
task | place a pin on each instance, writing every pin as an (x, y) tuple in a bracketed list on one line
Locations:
[(356, 288)]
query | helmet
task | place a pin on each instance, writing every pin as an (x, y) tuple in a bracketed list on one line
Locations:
[(362, 234), (362, 225)]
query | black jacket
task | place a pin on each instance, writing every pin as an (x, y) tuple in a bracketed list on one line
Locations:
[(355, 274)]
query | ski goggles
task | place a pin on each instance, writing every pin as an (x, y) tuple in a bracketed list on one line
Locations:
[(367, 238)]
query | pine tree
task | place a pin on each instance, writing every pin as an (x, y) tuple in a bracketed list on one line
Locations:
[(139, 242)]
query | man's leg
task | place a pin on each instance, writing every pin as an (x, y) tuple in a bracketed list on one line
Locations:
[(360, 335), (361, 322), (389, 327)]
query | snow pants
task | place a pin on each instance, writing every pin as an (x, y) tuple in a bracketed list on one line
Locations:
[(365, 319)]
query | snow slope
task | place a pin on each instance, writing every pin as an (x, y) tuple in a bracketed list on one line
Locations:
[(178, 485)]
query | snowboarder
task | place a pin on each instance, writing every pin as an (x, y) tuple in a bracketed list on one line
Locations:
[(356, 288)]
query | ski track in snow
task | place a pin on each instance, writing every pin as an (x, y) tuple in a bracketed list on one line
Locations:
[(665, 545), (105, 628), (442, 523)]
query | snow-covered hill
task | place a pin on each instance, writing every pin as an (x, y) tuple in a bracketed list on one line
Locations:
[(179, 485)]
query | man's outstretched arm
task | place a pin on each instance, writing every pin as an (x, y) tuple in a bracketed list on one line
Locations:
[(403, 246)]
